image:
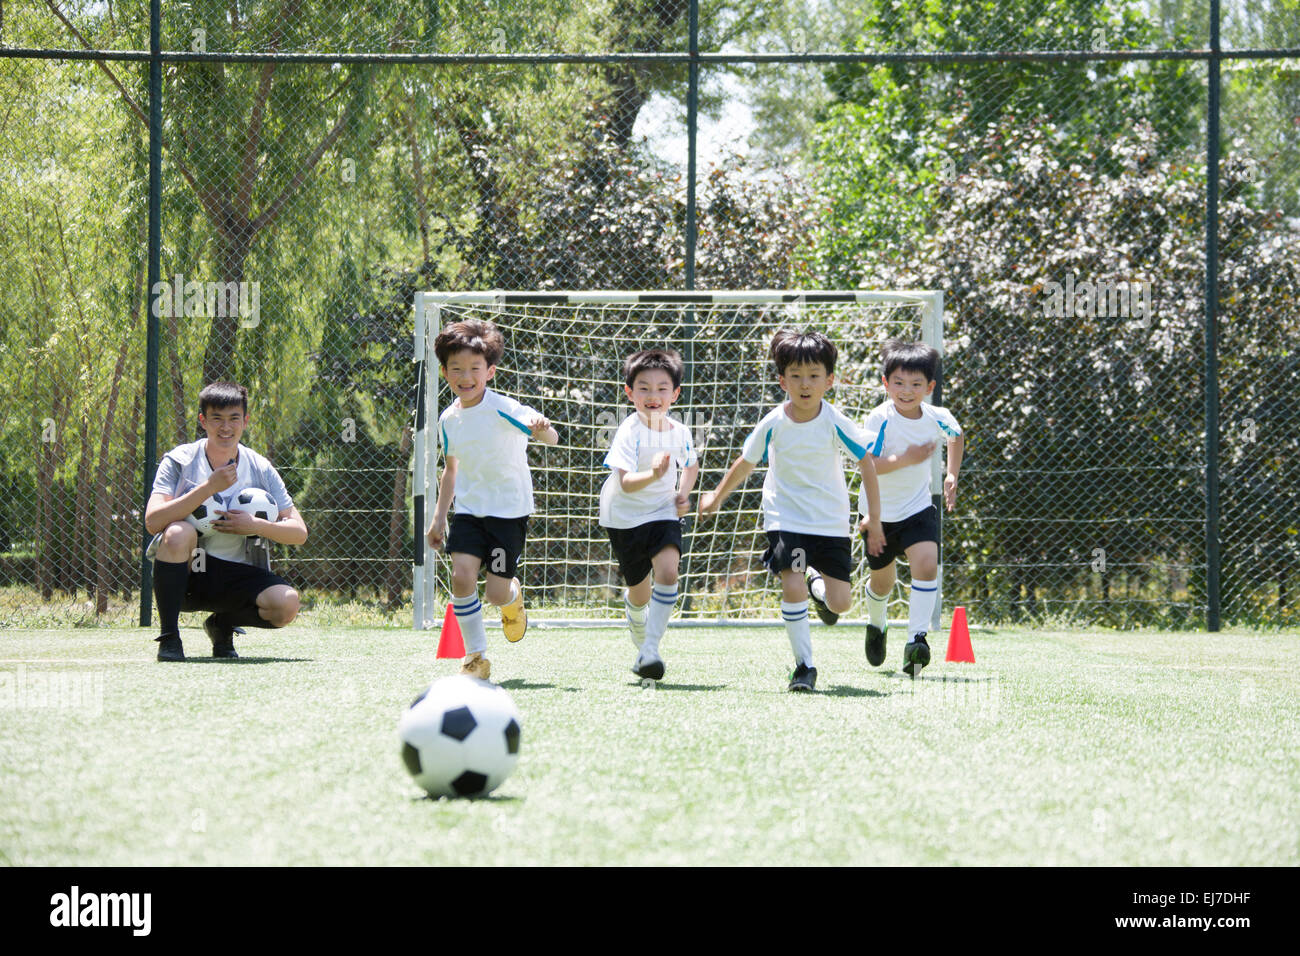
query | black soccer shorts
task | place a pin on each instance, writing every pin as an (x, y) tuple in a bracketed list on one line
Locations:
[(794, 550), (635, 548), (901, 535), (497, 542)]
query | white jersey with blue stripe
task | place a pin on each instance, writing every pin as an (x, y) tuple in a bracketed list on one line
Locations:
[(490, 444), (804, 487), (633, 449), (905, 491)]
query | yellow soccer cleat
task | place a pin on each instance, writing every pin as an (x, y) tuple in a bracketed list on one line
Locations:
[(514, 619), (476, 665)]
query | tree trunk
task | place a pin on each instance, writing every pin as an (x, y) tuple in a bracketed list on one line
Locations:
[(79, 567), (397, 522), (44, 502), (181, 433), (128, 529), (217, 357), (120, 500), (417, 171)]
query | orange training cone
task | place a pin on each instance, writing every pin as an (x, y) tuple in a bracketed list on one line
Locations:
[(450, 643), (959, 648)]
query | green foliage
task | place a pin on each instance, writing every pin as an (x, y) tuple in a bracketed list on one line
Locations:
[(1073, 442)]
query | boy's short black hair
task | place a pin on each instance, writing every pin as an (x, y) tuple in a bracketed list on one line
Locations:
[(908, 356), (802, 348), (223, 395), (476, 335), (649, 360)]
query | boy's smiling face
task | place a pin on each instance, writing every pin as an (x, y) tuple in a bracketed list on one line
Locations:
[(468, 373), (806, 384), (653, 393), (907, 389), (224, 427)]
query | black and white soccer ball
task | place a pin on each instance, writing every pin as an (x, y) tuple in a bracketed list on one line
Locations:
[(257, 503), (460, 738), (206, 513)]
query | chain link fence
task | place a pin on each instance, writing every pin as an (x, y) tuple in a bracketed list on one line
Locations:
[(1044, 164)]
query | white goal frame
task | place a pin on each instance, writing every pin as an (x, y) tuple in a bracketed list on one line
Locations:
[(428, 308)]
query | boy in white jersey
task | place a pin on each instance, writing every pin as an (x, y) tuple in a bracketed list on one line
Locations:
[(903, 432), (484, 437), (641, 504), (805, 500)]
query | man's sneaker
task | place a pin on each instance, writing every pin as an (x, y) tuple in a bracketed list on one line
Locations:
[(223, 639), (828, 616), (915, 655), (804, 678), (876, 645), (476, 665), (648, 667), (514, 619), (170, 648)]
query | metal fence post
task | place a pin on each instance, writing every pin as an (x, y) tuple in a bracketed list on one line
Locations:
[(1212, 330), (151, 320)]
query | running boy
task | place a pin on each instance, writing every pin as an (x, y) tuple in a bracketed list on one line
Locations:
[(805, 500), (641, 504), (903, 431), (484, 437), (234, 577)]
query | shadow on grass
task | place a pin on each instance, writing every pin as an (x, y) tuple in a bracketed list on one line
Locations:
[(518, 683), (935, 678), (246, 660), (490, 798), (843, 690), (660, 685)]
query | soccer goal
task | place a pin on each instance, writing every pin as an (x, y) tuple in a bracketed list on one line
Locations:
[(564, 357)]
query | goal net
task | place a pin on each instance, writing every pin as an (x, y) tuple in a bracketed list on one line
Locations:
[(564, 356)]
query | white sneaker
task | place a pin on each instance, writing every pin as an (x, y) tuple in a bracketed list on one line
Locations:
[(648, 667), (635, 631)]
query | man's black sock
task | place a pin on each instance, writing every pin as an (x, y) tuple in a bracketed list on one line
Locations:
[(246, 616), (169, 582)]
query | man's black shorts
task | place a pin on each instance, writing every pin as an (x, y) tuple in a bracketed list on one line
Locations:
[(635, 548), (901, 535), (497, 542), (226, 585), (794, 550)]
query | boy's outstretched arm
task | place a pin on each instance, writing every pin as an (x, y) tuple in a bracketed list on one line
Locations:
[(544, 432), (437, 533), (914, 455), (740, 470), (956, 446), (689, 474), (871, 524)]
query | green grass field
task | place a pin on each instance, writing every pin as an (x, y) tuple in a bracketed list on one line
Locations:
[(1094, 748)]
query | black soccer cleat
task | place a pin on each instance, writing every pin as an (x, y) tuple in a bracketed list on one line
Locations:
[(915, 655), (804, 679), (876, 645), (223, 639), (828, 617), (648, 669), (170, 648)]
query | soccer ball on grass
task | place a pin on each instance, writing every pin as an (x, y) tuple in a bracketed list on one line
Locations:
[(460, 738)]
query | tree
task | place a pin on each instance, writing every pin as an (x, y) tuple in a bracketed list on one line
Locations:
[(1085, 425)]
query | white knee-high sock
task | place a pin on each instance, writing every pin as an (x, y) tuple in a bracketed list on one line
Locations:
[(663, 597), (469, 615), (921, 607), (636, 619), (797, 629), (877, 608)]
